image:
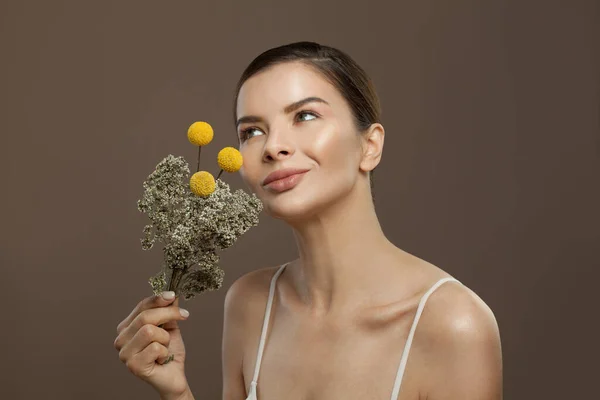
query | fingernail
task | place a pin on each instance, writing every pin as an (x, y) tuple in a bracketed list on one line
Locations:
[(184, 312), (168, 295)]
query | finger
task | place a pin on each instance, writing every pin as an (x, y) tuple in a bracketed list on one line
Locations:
[(154, 316), (171, 324), (143, 363), (164, 356), (142, 338), (161, 300)]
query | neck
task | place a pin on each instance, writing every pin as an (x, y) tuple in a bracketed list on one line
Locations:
[(344, 256)]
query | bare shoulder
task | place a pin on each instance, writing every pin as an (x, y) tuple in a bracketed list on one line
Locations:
[(453, 311), (252, 285), (244, 302), (461, 334), (456, 312), (249, 291)]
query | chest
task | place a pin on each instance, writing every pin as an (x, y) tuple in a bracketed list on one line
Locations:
[(347, 359)]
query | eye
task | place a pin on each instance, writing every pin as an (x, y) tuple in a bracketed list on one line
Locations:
[(246, 133), (307, 113)]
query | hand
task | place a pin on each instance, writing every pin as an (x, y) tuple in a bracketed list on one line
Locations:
[(144, 346)]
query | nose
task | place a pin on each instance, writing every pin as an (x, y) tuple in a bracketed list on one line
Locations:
[(277, 147)]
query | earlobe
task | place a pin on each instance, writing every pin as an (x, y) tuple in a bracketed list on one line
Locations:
[(372, 147)]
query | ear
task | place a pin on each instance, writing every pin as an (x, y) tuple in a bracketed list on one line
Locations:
[(372, 143)]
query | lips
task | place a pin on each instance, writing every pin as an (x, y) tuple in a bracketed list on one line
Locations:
[(282, 173)]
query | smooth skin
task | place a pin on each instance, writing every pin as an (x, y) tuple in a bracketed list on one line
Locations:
[(342, 310)]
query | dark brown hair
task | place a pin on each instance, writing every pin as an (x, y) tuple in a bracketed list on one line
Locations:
[(336, 66)]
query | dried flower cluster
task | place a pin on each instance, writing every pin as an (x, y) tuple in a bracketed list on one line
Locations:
[(192, 227)]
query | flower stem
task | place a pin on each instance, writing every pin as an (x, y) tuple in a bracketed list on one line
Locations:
[(198, 167), (174, 280)]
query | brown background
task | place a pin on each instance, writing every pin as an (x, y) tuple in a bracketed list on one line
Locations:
[(490, 170)]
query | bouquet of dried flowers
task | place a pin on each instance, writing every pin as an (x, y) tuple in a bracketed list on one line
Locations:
[(194, 217)]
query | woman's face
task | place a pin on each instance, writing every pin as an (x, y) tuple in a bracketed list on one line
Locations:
[(318, 136)]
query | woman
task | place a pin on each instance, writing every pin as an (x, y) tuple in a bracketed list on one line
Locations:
[(339, 321)]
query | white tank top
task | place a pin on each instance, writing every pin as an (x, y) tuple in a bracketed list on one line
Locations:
[(396, 390)]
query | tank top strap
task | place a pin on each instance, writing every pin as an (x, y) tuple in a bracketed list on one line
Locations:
[(263, 334), (411, 334)]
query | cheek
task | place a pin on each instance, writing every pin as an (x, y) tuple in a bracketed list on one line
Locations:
[(336, 151), (249, 172)]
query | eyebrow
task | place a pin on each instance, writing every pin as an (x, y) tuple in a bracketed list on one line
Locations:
[(287, 109)]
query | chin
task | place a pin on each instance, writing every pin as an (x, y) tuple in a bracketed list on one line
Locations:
[(287, 206), (294, 206)]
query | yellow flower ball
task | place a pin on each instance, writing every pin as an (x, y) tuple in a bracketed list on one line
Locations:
[(200, 133), (230, 159), (202, 183)]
